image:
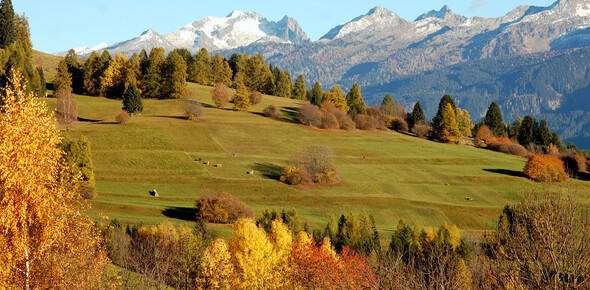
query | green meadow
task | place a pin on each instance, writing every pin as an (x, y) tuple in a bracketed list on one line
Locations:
[(387, 174)]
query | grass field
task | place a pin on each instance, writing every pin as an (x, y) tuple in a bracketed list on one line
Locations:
[(423, 182)]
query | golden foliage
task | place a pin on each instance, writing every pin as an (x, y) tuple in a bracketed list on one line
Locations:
[(216, 268), (545, 168), (44, 242)]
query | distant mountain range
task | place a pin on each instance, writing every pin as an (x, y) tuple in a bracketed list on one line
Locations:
[(385, 53)]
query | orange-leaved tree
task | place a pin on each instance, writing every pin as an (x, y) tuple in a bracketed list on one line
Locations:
[(44, 241), (545, 168)]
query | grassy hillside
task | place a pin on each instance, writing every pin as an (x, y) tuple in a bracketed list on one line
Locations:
[(48, 62), (424, 182)]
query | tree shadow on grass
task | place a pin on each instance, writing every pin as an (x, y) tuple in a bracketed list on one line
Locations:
[(181, 213), (584, 176), (507, 172), (269, 170), (80, 119), (171, 117)]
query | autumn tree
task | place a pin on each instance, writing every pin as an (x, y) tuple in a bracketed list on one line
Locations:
[(241, 99), (63, 79), (44, 241), (67, 108), (448, 128), (132, 100), (117, 77), (258, 75), (200, 71), (174, 77), (355, 101), (94, 67), (542, 243), (464, 122), (336, 97), (220, 70), (316, 96), (217, 270), (300, 89), (545, 168), (436, 120), (220, 95)]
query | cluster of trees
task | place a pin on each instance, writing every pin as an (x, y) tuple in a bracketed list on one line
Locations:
[(16, 50), (222, 208), (153, 76)]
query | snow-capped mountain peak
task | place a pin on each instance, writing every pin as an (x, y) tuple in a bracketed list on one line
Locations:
[(375, 16)]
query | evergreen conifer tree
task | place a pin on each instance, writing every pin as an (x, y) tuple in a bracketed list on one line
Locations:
[(241, 98), (7, 27), (494, 121), (132, 100), (153, 77), (284, 85), (526, 131), (221, 72), (436, 121), (542, 134), (416, 117), (448, 130), (316, 96), (355, 101), (300, 89), (201, 72)]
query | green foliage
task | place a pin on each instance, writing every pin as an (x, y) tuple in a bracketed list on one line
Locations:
[(300, 89), (63, 79), (316, 96), (494, 121), (94, 67), (258, 75), (284, 85), (200, 70), (220, 70), (238, 64), (76, 71), (355, 101), (132, 100), (241, 99), (416, 117), (78, 159), (174, 77), (290, 218), (359, 234), (542, 134), (153, 76), (526, 131), (7, 27)]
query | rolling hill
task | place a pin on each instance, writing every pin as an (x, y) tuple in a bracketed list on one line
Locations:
[(424, 182)]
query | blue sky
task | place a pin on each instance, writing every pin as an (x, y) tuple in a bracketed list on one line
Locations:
[(59, 25)]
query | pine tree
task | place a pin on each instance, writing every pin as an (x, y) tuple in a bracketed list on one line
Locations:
[(174, 77), (416, 117), (238, 64), (316, 96), (542, 134), (241, 98), (258, 75), (388, 105), (63, 79), (284, 85), (494, 121), (132, 100), (7, 26), (300, 89), (526, 131), (355, 101), (153, 77), (93, 70), (76, 71)]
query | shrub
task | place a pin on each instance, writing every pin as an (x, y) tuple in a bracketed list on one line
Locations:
[(421, 130), (272, 111), (223, 208), (310, 115), (575, 163), (193, 109), (255, 97), (220, 95), (398, 124), (312, 165), (329, 121), (509, 148), (334, 118), (295, 176), (365, 122), (122, 118), (545, 168)]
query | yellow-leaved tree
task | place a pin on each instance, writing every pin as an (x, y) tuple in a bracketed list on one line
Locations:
[(217, 271), (44, 241)]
